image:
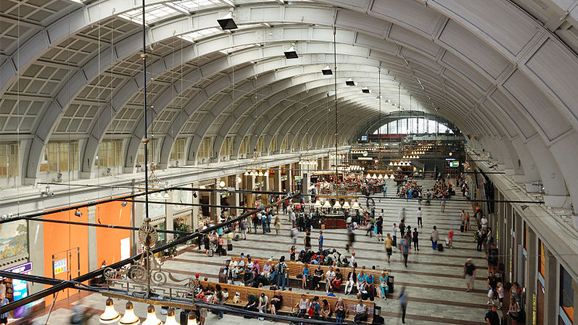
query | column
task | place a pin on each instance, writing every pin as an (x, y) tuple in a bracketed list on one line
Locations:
[(196, 209), (531, 277), (551, 289), (279, 177), (289, 178), (169, 216), (92, 241), (237, 196), (216, 197), (36, 240)]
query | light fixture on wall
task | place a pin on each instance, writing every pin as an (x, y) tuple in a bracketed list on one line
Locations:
[(227, 22), (365, 90), (350, 82), (78, 213), (291, 53), (327, 71)]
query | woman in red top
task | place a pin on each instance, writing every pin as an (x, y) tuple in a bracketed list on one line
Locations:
[(451, 237)]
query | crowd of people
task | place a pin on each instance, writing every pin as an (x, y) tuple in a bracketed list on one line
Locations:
[(401, 236)]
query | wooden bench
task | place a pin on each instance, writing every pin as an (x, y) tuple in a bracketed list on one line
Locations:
[(289, 301), (296, 268)]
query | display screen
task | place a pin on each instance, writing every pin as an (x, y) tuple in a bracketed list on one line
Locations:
[(454, 164)]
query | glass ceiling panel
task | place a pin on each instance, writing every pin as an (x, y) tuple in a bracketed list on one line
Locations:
[(154, 13)]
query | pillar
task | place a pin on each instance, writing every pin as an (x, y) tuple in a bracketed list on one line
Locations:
[(277, 179), (216, 200), (551, 288), (237, 195), (92, 250), (36, 240), (575, 286), (290, 178), (531, 276), (169, 216)]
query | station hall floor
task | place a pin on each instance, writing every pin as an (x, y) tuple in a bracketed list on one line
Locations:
[(433, 280)]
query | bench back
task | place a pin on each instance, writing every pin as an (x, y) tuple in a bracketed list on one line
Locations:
[(290, 298)]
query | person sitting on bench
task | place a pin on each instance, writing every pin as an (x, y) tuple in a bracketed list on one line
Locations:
[(276, 303), (360, 312), (302, 306), (252, 303)]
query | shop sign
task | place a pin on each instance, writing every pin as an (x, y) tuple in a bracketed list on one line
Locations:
[(23, 268), (60, 266)]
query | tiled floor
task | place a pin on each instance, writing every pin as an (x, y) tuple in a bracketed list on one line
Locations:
[(433, 279)]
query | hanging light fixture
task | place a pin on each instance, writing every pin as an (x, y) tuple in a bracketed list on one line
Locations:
[(246, 174), (327, 71), (337, 205), (374, 176), (318, 204), (368, 176), (346, 205), (227, 22), (355, 205), (192, 319), (110, 314), (380, 177), (260, 174), (291, 53), (129, 318), (239, 180), (327, 205), (391, 177), (171, 318), (152, 318), (222, 184)]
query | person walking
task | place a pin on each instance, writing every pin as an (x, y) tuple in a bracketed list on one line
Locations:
[(415, 239), (419, 214), (403, 300), (277, 224), (404, 247), (307, 241), (388, 247), (469, 274), (243, 227), (320, 242), (394, 236), (379, 228), (443, 204), (435, 236)]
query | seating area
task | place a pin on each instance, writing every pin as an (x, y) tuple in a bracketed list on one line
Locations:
[(295, 272), (289, 300)]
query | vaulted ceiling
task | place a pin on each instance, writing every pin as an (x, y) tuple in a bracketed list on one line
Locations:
[(504, 72)]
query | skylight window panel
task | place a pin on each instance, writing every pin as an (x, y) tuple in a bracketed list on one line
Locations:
[(201, 33), (194, 5), (154, 14)]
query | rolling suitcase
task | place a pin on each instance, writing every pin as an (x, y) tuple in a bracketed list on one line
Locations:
[(230, 246), (440, 247)]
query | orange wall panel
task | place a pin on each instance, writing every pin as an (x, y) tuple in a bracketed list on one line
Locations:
[(108, 239), (66, 242)]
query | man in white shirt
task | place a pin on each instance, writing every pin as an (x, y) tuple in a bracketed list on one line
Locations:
[(293, 218), (419, 214), (329, 276)]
